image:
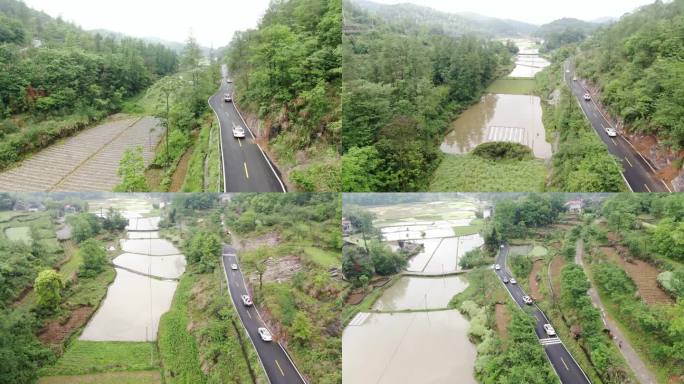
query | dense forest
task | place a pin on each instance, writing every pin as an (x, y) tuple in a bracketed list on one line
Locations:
[(638, 65), (288, 71), (445, 23), (402, 86), (53, 70), (564, 31)]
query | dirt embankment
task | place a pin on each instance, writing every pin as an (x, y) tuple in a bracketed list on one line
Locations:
[(502, 318), (537, 270), (556, 265), (57, 331)]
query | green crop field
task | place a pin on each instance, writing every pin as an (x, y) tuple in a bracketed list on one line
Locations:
[(19, 234), (468, 173), (84, 357)]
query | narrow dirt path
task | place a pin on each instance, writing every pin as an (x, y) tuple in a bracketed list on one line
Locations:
[(641, 371)]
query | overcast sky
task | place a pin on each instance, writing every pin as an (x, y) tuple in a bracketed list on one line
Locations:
[(533, 11), (211, 21)]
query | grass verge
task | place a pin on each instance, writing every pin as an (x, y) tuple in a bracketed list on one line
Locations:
[(84, 357)]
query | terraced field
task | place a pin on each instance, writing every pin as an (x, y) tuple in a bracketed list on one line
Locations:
[(87, 161)]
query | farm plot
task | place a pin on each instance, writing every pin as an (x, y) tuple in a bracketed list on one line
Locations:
[(87, 161)]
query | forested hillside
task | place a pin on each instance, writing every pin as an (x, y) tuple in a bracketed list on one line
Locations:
[(564, 31), (447, 23), (402, 86), (288, 72), (638, 63), (51, 69)]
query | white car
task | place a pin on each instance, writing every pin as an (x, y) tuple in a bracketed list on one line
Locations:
[(264, 334), (611, 132), (227, 97), (513, 281), (587, 97), (233, 267), (239, 132), (497, 267), (246, 300), (527, 300), (574, 79), (549, 330), (228, 81)]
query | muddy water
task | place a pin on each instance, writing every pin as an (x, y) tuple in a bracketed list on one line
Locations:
[(143, 224), (418, 262), (420, 347), (135, 301), (169, 267), (512, 118), (154, 247), (420, 293), (143, 235), (528, 62), (131, 310)]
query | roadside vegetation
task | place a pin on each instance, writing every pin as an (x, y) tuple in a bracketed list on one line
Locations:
[(200, 339), (402, 87), (581, 161), (288, 74), (636, 64), (297, 289), (58, 79)]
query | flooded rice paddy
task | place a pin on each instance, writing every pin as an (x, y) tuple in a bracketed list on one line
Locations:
[(144, 285), (418, 346), (420, 293), (504, 117), (498, 117)]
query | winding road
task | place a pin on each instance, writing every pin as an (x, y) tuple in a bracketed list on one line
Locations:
[(274, 359), (563, 363), (638, 172), (246, 168)]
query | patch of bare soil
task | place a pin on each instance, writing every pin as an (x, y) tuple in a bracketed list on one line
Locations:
[(181, 169), (502, 318), (533, 282), (270, 239), (57, 331), (556, 265), (644, 275), (279, 270), (614, 237), (355, 298)]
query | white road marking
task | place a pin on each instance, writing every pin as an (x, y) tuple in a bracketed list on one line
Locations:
[(628, 162), (281, 370), (566, 366), (647, 188), (246, 172)]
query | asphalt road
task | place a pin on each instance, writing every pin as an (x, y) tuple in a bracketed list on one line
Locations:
[(275, 361), (639, 174), (562, 361), (245, 166)]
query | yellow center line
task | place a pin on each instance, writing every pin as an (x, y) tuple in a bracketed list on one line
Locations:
[(566, 366), (628, 162), (239, 142), (249, 314), (281, 370), (246, 173), (614, 142), (647, 188)]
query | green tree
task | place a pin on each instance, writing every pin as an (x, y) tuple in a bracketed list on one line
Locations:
[(94, 258), (132, 171), (301, 329), (48, 287)]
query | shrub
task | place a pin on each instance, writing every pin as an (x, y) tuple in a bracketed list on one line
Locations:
[(501, 150)]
